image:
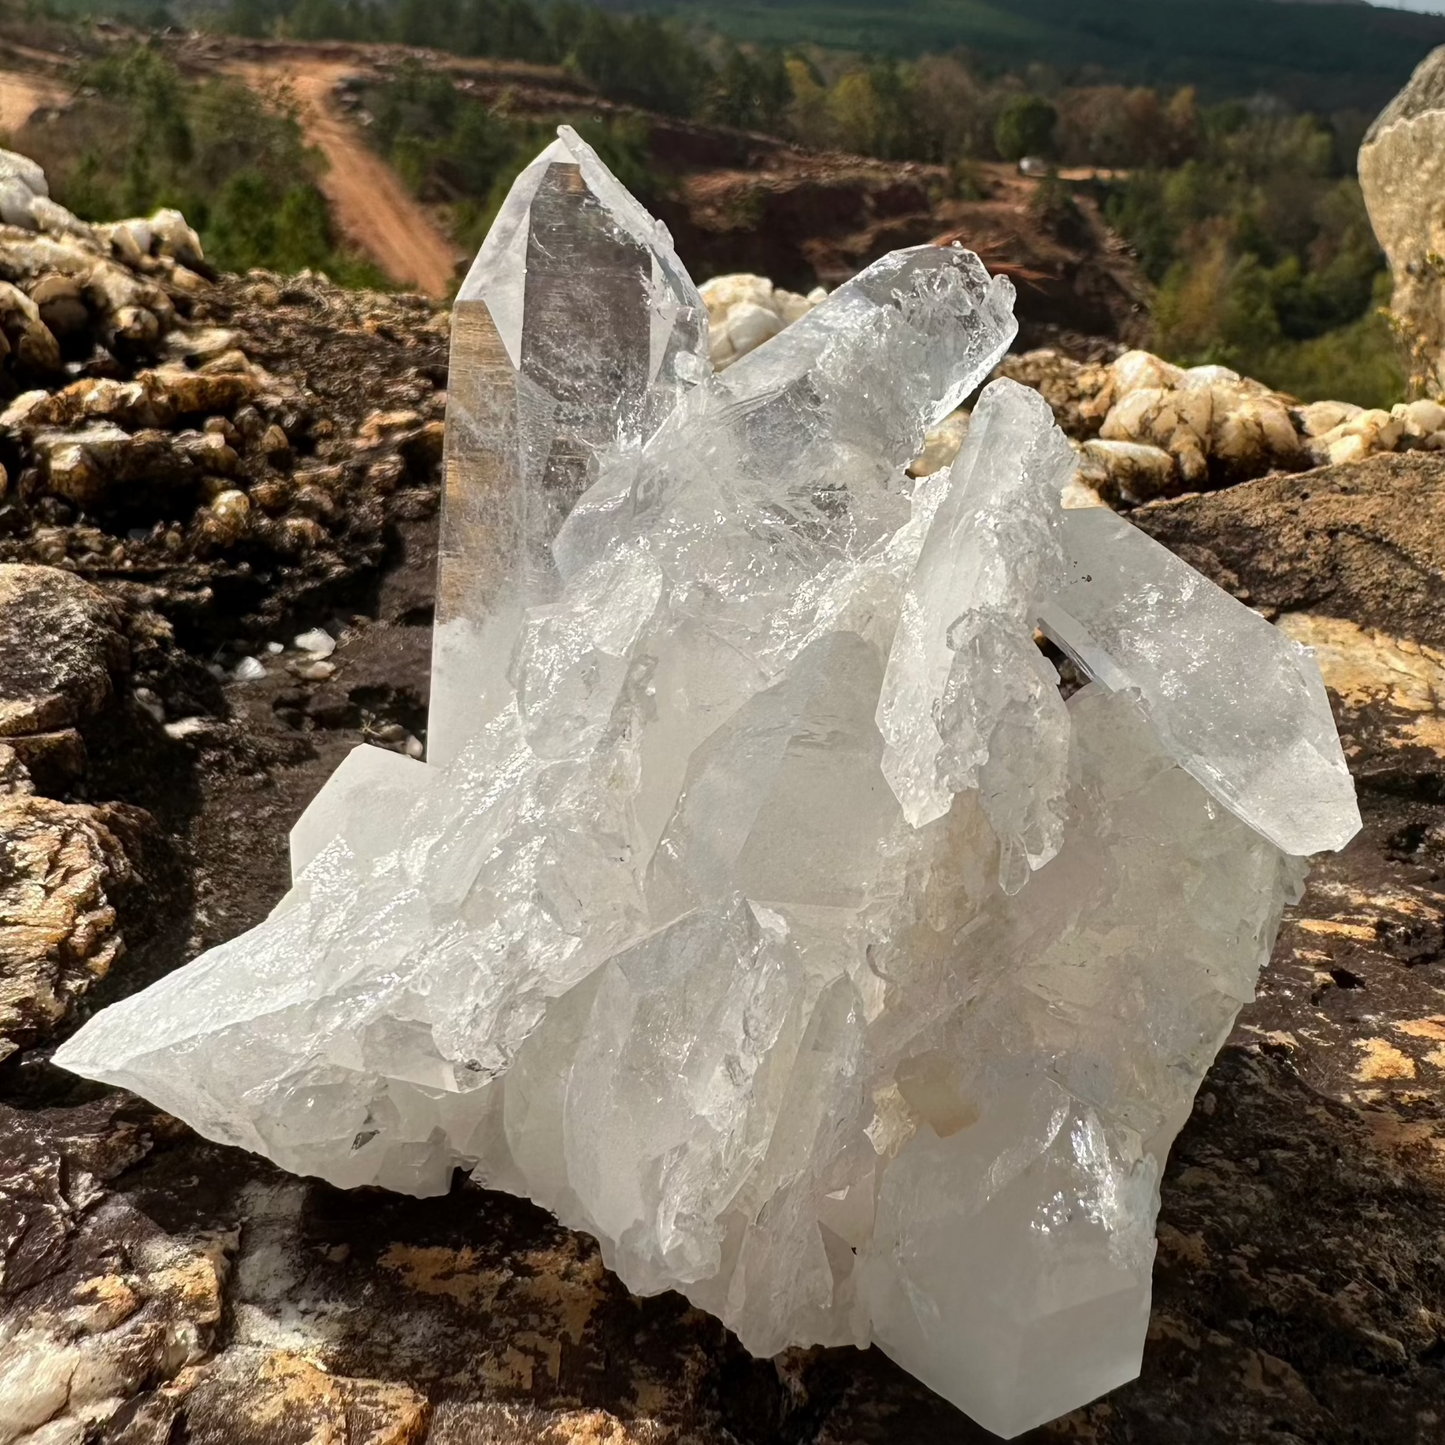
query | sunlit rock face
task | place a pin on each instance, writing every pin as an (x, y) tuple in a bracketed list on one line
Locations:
[(763, 908)]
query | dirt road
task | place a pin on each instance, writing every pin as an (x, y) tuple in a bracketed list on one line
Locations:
[(20, 94), (374, 211)]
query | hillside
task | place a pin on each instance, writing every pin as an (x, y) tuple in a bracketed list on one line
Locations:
[(735, 200), (1320, 56), (1238, 234)]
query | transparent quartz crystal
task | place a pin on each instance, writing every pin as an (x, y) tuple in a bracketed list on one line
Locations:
[(762, 908)]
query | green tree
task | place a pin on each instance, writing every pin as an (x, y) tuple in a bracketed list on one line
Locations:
[(248, 18), (856, 110), (751, 91), (642, 60), (1026, 128)]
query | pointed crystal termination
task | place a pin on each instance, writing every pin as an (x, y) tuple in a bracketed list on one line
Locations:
[(764, 910), (810, 434), (576, 330), (1234, 700)]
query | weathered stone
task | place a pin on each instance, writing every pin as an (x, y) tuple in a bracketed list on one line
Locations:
[(1320, 417), (1252, 432), (1127, 473), (1402, 173), (1071, 388), (745, 310), (60, 865), (15, 777), (153, 399), (97, 1302), (54, 760), (941, 445), (163, 234), (1360, 542), (1219, 428), (94, 465), (61, 304), (227, 519), (31, 342), (1131, 372), (59, 649), (1357, 437), (1422, 418)]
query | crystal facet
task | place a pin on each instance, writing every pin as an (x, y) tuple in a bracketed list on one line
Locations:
[(763, 908)]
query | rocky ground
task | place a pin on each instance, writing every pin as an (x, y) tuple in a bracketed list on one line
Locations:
[(217, 536)]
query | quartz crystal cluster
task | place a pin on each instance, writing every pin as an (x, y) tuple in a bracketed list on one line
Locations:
[(763, 907)]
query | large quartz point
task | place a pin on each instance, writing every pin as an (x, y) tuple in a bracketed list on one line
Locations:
[(763, 908), (547, 377)]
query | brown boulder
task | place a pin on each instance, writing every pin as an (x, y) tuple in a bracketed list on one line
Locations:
[(60, 867), (1364, 541), (60, 647), (1402, 173)]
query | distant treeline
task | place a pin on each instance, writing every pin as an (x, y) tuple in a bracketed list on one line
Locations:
[(1323, 57), (642, 60)]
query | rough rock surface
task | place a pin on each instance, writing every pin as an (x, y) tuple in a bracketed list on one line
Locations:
[(1402, 173), (59, 648), (1298, 1287), (60, 864), (1362, 542)]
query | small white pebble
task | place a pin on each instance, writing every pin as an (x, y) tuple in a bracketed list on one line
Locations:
[(187, 727), (149, 702), (414, 748), (249, 669), (275, 648), (318, 642), (316, 671)]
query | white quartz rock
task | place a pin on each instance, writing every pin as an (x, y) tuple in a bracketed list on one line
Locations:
[(762, 908)]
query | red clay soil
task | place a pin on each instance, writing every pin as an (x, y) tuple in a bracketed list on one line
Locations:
[(22, 93), (371, 206)]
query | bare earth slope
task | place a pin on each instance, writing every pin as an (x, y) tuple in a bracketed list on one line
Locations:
[(21, 94), (372, 208)]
